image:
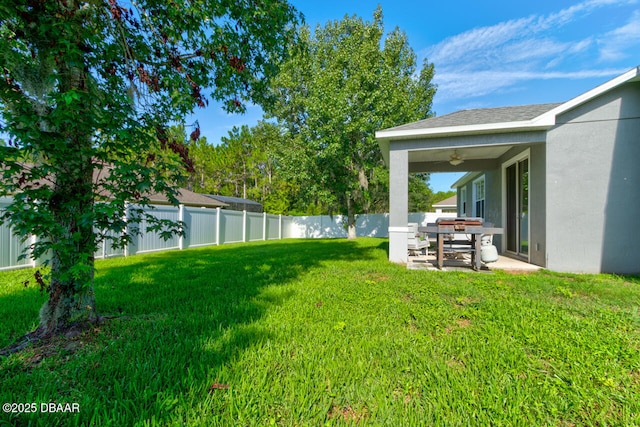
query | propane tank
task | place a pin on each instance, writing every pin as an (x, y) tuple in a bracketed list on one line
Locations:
[(488, 252)]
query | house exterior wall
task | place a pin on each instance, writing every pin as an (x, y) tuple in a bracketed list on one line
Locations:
[(468, 192), (463, 201), (537, 205), (492, 200), (445, 210), (593, 185)]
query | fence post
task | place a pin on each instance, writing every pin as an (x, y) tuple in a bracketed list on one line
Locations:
[(126, 227), (181, 219), (104, 248), (280, 227), (244, 225), (217, 226), (32, 241), (264, 226)]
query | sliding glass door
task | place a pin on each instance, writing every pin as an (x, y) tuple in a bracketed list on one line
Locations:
[(517, 220)]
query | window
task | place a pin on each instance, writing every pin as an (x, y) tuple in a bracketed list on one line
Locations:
[(478, 197), (463, 201)]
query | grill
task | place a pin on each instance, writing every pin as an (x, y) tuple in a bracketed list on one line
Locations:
[(458, 225)]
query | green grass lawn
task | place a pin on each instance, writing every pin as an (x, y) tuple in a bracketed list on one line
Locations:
[(328, 332)]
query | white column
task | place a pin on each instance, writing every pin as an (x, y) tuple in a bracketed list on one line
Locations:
[(398, 204)]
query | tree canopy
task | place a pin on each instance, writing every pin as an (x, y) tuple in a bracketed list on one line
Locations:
[(342, 83), (245, 164), (87, 91)]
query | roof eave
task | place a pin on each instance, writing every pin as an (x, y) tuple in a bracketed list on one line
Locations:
[(193, 204), (536, 124), (464, 179), (629, 76)]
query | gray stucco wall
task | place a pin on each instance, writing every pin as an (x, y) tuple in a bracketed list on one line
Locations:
[(493, 201), (593, 185), (468, 199)]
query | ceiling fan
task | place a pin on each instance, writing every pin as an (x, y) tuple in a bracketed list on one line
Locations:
[(455, 159)]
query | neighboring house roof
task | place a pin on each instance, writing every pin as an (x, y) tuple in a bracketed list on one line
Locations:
[(189, 198), (184, 196), (447, 203), (231, 200)]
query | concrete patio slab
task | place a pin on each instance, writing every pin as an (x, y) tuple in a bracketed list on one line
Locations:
[(462, 262)]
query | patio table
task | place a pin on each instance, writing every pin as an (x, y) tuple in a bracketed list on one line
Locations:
[(476, 231)]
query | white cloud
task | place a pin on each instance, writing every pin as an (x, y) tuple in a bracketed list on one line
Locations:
[(472, 45), (614, 43), (499, 57), (461, 85), (567, 15)]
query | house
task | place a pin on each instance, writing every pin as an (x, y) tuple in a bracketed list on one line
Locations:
[(237, 203), (188, 198), (101, 174), (562, 180), (448, 205)]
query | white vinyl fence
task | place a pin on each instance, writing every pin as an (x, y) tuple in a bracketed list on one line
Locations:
[(206, 227), (367, 225)]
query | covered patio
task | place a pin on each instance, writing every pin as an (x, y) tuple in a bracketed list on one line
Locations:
[(465, 141)]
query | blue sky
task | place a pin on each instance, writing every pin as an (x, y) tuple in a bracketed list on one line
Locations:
[(491, 53)]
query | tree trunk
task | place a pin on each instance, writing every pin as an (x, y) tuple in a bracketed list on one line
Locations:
[(70, 302), (351, 221), (71, 296)]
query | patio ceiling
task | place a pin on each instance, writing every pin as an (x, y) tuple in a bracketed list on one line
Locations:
[(473, 158)]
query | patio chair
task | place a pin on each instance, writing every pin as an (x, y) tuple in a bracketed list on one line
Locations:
[(417, 242)]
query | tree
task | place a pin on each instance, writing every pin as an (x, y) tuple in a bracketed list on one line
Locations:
[(87, 91), (346, 82), (420, 194), (244, 165)]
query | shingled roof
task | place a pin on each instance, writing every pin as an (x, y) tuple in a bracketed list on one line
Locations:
[(237, 203), (480, 116), (189, 198), (101, 173), (449, 201)]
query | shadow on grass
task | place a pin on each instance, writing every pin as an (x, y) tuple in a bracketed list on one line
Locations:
[(173, 281), (179, 318), (20, 302)]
